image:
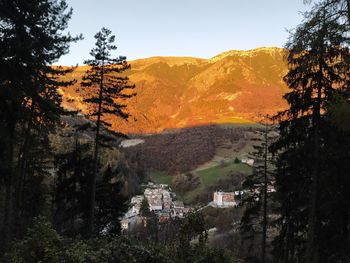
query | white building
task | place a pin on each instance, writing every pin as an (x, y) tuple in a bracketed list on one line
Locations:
[(248, 161), (224, 199), (124, 223)]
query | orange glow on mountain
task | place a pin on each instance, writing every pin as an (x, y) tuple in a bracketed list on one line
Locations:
[(177, 92)]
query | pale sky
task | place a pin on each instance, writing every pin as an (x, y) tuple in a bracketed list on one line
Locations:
[(197, 28)]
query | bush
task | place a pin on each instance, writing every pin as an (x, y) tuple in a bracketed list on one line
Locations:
[(185, 182), (43, 244)]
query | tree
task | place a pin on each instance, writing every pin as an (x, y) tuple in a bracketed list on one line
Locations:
[(110, 202), (192, 227), (257, 201), (31, 40), (318, 71), (144, 208), (108, 91), (71, 190)]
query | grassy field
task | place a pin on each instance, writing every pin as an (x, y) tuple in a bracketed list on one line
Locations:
[(207, 177), (213, 174), (218, 168), (160, 177)]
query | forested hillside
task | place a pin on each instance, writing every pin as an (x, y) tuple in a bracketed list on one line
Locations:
[(179, 92)]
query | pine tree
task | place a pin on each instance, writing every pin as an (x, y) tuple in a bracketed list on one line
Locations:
[(318, 71), (110, 202), (108, 91), (257, 199), (71, 189), (31, 40), (192, 226)]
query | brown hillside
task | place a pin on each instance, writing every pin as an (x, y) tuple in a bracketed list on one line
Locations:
[(177, 92)]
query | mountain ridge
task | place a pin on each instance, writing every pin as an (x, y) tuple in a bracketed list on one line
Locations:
[(177, 92)]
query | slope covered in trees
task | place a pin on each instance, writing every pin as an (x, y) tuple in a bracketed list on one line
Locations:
[(176, 92)]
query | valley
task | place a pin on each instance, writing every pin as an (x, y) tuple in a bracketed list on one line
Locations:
[(208, 158)]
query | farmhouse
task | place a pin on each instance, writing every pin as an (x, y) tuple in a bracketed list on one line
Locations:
[(224, 199)]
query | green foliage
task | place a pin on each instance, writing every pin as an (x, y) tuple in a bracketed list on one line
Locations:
[(203, 255), (32, 38), (312, 169), (71, 190), (193, 227), (43, 244), (185, 182), (339, 113), (256, 200), (211, 175), (160, 177), (108, 91), (110, 202), (103, 81), (71, 194)]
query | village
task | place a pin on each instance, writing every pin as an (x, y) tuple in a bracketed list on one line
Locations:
[(165, 206), (161, 200)]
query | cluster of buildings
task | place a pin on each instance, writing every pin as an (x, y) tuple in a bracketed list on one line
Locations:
[(161, 201), (231, 199), (223, 199)]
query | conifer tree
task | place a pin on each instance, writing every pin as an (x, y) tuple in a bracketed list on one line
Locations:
[(71, 189), (144, 208), (257, 199), (110, 202), (318, 71), (108, 91), (31, 40)]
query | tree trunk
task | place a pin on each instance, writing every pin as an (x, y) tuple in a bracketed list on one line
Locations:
[(95, 164), (264, 222), (311, 248), (22, 160), (8, 213)]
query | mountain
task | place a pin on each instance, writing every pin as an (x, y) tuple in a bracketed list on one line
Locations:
[(177, 92)]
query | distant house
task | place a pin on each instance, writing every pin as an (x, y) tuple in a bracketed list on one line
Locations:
[(124, 223), (224, 199), (131, 142), (248, 161)]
